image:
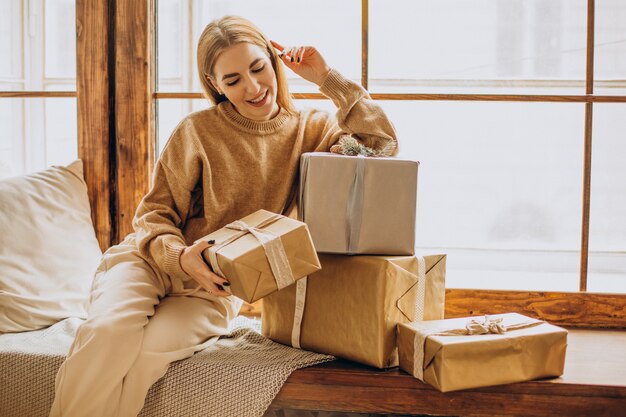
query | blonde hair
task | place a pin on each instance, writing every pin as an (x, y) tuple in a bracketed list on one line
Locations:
[(227, 31)]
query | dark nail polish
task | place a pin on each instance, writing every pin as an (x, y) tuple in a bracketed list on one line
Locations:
[(226, 284), (210, 242), (291, 59)]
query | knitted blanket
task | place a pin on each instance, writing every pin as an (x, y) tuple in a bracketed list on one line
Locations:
[(238, 376)]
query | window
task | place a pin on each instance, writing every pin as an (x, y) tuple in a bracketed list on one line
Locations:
[(38, 83), (490, 96), (486, 46)]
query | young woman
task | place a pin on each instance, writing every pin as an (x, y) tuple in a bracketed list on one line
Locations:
[(219, 165)]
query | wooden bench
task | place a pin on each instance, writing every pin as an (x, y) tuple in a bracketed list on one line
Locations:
[(594, 384)]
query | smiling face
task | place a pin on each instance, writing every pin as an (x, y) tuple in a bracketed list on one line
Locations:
[(244, 74)]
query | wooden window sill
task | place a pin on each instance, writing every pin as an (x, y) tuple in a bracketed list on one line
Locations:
[(594, 384)]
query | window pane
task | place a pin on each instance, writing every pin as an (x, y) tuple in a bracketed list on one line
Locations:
[(11, 147), (37, 133), (337, 35), (61, 136), (171, 42), (60, 39), (484, 46), (610, 47), (499, 189), (10, 39), (607, 223), (69, 85)]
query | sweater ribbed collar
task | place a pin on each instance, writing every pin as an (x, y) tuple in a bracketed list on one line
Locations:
[(227, 109)]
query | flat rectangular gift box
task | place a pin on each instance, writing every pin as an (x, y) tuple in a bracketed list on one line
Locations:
[(444, 353), (359, 205), (241, 257), (350, 307)]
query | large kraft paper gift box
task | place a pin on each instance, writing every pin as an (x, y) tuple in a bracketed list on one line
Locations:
[(261, 253), (351, 307), (359, 205), (475, 352)]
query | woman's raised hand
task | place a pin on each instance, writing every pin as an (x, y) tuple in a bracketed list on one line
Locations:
[(194, 265), (306, 61)]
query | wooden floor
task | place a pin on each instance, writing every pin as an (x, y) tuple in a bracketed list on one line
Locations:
[(594, 384)]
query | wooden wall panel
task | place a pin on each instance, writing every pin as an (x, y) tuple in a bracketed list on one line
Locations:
[(92, 92), (133, 108), (565, 309), (561, 308)]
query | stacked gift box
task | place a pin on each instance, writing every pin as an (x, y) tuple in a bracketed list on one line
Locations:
[(361, 215), (344, 280)]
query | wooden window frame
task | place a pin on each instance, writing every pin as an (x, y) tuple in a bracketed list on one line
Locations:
[(116, 91)]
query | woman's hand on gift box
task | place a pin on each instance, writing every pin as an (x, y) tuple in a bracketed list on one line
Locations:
[(194, 265)]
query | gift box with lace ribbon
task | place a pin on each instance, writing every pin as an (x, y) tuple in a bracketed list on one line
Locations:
[(351, 307), (474, 352), (359, 205), (261, 253)]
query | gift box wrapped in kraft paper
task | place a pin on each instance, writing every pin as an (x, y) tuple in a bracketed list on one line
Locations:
[(475, 352), (261, 253), (358, 205), (351, 307)]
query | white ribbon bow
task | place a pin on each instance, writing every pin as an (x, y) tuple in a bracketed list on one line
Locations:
[(489, 325)]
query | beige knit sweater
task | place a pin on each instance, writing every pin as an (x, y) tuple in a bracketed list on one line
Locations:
[(219, 166)]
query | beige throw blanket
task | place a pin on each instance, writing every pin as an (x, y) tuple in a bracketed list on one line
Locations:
[(238, 376)]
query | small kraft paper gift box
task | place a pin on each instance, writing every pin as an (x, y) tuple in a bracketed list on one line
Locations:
[(261, 253), (475, 352), (351, 307), (359, 205)]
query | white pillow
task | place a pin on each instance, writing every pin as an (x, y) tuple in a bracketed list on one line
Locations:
[(48, 248)]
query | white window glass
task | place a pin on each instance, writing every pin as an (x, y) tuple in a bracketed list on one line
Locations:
[(60, 38), (482, 46), (607, 222), (610, 47), (61, 85), (336, 34), (38, 38), (172, 46), (37, 133), (11, 147), (60, 133), (10, 40), (499, 189)]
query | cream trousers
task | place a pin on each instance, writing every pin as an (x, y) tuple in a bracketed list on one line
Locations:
[(133, 332)]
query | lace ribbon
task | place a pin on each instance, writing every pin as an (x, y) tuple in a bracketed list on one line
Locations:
[(354, 208)]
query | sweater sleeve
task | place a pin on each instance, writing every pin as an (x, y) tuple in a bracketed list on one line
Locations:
[(357, 115), (162, 212)]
